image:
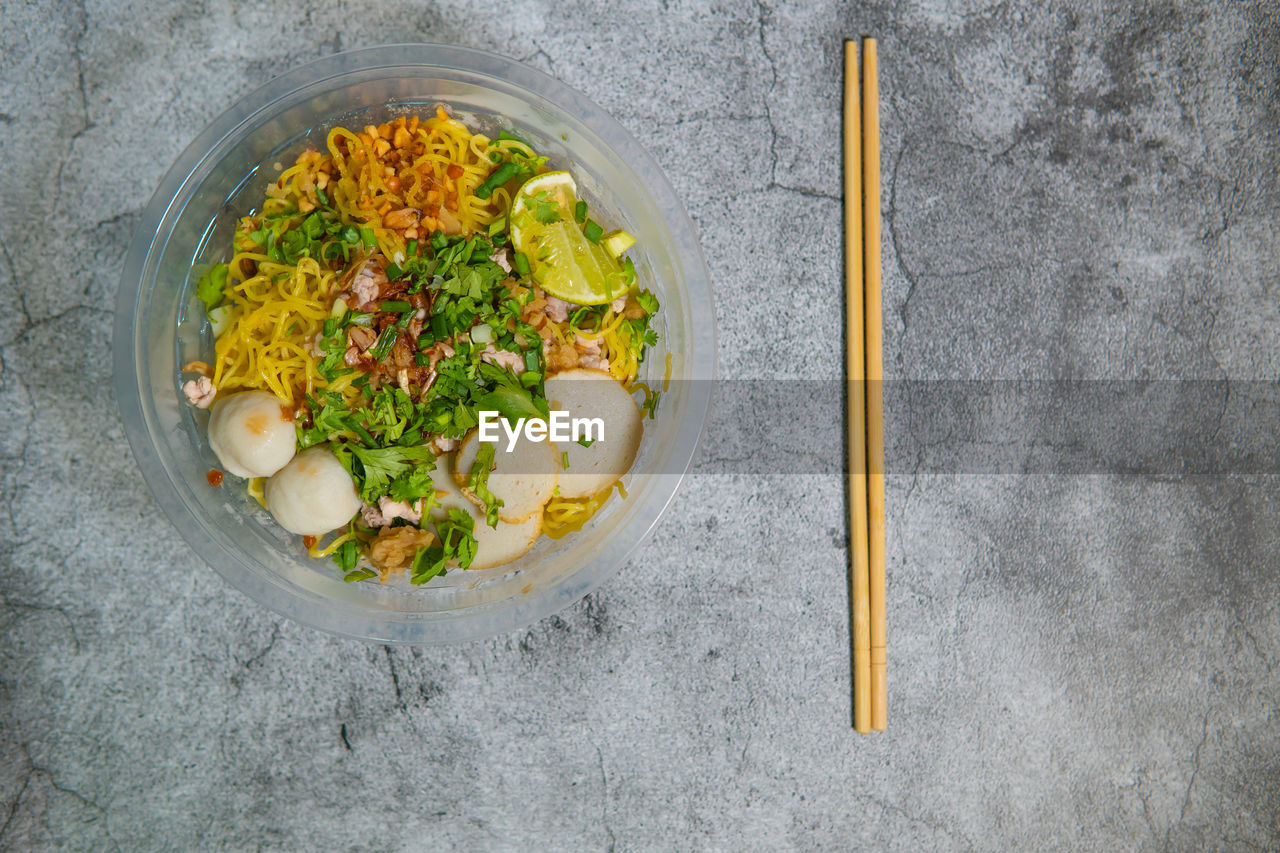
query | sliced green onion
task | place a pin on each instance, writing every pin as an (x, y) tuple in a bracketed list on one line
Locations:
[(324, 199), (393, 272), (500, 176), (368, 238), (580, 212), (384, 343), (387, 339), (363, 433), (412, 248), (350, 234), (521, 263), (592, 231), (395, 306)]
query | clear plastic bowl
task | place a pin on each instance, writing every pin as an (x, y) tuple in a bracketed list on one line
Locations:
[(160, 325)]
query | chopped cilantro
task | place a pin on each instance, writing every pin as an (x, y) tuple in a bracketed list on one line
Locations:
[(455, 542), (478, 482), (373, 468)]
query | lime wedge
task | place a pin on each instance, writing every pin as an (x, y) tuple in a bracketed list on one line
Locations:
[(561, 260)]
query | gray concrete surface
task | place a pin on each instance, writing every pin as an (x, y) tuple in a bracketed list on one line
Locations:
[(1071, 190)]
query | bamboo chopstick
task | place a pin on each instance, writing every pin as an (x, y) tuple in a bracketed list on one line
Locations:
[(875, 374), (859, 589)]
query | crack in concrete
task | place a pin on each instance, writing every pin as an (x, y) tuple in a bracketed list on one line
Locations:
[(705, 115), (804, 191), (17, 289), (914, 818), (256, 658), (761, 12), (604, 803), (17, 801), (86, 121), (551, 63), (395, 677), (44, 608), (114, 220), (36, 769), (21, 457), (43, 321), (892, 217), (88, 801), (1195, 770)]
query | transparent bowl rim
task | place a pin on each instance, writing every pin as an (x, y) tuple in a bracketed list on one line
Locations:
[(137, 408)]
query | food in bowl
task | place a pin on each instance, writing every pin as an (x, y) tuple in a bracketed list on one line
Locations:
[(391, 295)]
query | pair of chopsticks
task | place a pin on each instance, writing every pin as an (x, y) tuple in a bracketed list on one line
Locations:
[(865, 368)]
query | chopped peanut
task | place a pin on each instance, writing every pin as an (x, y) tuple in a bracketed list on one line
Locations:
[(402, 137), (381, 147)]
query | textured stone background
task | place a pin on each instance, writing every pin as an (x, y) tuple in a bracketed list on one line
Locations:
[(1071, 191)]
